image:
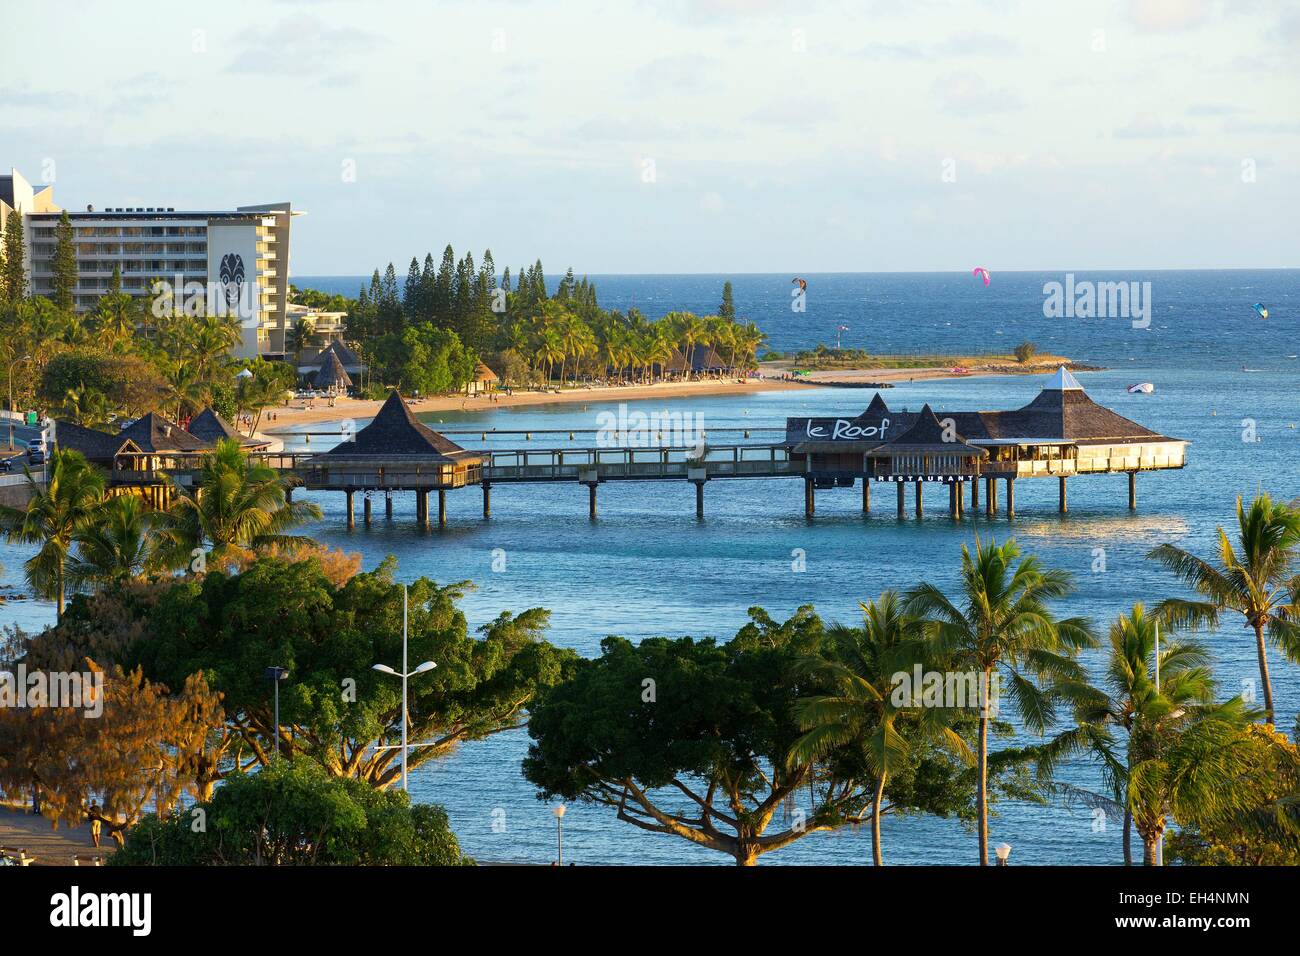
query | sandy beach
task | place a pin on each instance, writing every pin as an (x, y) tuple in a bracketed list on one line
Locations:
[(772, 378), (48, 846)]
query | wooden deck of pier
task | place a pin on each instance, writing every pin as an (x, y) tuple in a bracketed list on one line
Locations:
[(1061, 434)]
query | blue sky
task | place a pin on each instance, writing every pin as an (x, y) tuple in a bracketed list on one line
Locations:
[(712, 136)]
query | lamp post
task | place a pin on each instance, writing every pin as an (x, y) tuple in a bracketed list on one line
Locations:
[(1003, 850), (1160, 840), (404, 674), (275, 675), (558, 810), (21, 358)]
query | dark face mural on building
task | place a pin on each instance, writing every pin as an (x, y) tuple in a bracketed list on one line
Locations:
[(232, 277)]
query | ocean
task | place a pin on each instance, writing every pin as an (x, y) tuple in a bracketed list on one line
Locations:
[(647, 567)]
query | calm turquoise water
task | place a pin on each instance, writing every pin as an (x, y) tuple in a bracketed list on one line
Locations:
[(647, 567)]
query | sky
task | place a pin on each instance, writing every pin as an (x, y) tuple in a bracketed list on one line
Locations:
[(717, 136)]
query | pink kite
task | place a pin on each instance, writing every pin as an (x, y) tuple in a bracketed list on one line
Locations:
[(982, 273)]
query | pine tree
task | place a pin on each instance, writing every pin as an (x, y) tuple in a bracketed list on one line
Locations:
[(442, 310), (411, 291), (13, 277), (728, 308), (115, 283), (505, 280), (64, 267)]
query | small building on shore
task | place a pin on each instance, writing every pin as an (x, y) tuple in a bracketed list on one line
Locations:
[(332, 377), (485, 380)]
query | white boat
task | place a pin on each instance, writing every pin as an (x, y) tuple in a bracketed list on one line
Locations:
[(1142, 388)]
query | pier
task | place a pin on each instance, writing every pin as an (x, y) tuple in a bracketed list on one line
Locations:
[(1060, 435)]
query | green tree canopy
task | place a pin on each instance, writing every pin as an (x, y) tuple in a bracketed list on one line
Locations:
[(295, 814)]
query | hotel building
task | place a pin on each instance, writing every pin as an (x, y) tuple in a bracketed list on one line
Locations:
[(242, 254)]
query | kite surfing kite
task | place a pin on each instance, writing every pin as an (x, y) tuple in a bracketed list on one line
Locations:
[(982, 273), (1262, 309), (1142, 388), (801, 283)]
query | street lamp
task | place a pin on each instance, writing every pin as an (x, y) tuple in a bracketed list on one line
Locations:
[(404, 674), (1003, 850), (275, 675), (22, 358), (558, 810)]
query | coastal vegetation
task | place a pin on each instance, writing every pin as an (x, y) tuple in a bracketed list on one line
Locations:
[(530, 335), (425, 336), (743, 746), (823, 357), (294, 814)]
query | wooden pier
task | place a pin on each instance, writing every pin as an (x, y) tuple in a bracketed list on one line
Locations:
[(1062, 434)]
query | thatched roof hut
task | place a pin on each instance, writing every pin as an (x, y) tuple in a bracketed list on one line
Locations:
[(154, 434), (395, 451), (331, 374)]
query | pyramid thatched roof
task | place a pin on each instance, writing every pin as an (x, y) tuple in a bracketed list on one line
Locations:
[(395, 432), (153, 433), (331, 373), (927, 435), (210, 427)]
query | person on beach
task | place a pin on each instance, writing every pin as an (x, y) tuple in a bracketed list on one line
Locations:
[(95, 824)]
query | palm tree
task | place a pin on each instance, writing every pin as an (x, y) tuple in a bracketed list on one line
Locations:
[(55, 513), (1188, 760), (300, 336), (185, 389), (1003, 629), (116, 545), (1115, 717), (1255, 578), (237, 505), (87, 407), (549, 351), (860, 707), (116, 316)]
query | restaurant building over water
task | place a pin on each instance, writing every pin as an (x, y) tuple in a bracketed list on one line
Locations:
[(1061, 434)]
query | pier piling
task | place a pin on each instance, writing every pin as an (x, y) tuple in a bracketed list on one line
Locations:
[(365, 510), (699, 500), (352, 515), (442, 507), (809, 498), (1064, 504), (960, 499), (1132, 491), (902, 503), (919, 485), (591, 500), (990, 496), (975, 495), (487, 500), (388, 505), (866, 495), (1011, 498)]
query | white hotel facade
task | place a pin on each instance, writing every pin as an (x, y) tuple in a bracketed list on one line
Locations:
[(243, 253)]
